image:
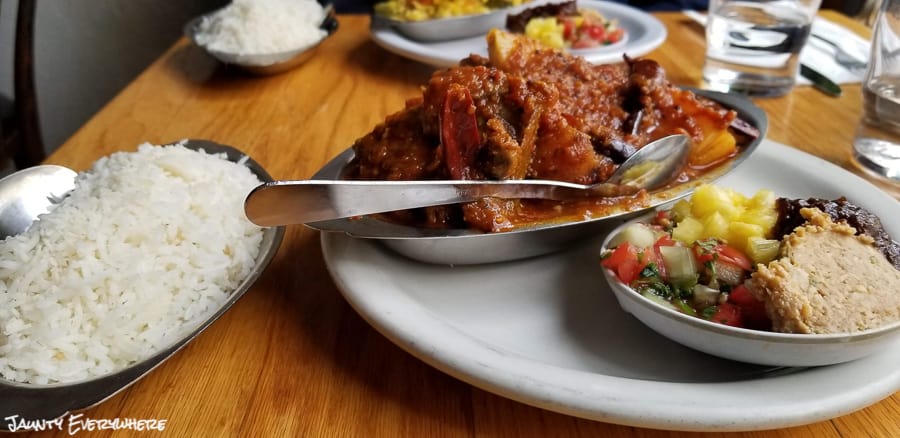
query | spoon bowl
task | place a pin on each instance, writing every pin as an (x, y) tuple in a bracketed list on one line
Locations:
[(30, 192)]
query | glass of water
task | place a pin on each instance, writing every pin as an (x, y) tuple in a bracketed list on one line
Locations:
[(876, 147), (753, 47)]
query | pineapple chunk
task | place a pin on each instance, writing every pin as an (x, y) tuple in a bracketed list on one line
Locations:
[(762, 250), (709, 199), (762, 200), (737, 198), (688, 230), (740, 232), (727, 215), (546, 30), (715, 225), (764, 220)]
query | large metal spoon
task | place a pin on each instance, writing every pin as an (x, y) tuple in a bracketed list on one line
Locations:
[(295, 202), (30, 192)]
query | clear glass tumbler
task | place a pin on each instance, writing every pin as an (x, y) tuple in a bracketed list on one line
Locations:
[(753, 46), (876, 147)]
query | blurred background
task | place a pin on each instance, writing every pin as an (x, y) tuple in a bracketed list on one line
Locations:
[(86, 51)]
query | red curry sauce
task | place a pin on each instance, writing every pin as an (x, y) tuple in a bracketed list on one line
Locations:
[(535, 113)]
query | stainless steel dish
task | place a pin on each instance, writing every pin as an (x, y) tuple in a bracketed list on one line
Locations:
[(743, 344), (452, 28), (465, 247), (267, 63), (47, 402), (443, 29)]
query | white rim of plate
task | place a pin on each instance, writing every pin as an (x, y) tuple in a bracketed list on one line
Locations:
[(774, 400)]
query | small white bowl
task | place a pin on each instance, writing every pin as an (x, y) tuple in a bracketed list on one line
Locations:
[(745, 345)]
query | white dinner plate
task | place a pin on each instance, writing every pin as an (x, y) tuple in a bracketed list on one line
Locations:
[(548, 332), (643, 33)]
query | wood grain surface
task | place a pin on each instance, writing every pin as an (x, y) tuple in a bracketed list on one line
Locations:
[(292, 358)]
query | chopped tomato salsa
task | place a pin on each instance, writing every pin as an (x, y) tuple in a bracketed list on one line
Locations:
[(704, 279)]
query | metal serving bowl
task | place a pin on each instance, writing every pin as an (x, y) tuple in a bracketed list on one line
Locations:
[(267, 63), (452, 28), (746, 345), (466, 246)]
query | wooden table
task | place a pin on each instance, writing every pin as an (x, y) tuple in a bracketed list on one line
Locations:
[(292, 358)]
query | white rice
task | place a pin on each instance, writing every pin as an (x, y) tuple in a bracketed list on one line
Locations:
[(147, 246), (248, 27)]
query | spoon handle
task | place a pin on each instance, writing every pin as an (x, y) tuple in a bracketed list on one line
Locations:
[(293, 202)]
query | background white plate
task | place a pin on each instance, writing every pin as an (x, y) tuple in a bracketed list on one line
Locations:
[(643, 33), (548, 332)]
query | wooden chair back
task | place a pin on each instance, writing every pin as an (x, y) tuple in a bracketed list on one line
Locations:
[(20, 131)]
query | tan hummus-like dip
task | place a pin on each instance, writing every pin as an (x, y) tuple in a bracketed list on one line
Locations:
[(827, 280)]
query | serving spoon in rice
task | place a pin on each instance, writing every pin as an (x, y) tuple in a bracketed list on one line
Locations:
[(30, 192)]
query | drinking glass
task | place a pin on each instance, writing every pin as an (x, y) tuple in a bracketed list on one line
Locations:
[(876, 147), (753, 47)]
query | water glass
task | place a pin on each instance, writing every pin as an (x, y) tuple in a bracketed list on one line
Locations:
[(876, 147), (753, 47)]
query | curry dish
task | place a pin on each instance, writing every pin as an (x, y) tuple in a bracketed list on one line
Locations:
[(531, 112)]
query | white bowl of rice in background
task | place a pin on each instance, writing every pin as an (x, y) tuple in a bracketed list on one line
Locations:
[(147, 250), (264, 36)]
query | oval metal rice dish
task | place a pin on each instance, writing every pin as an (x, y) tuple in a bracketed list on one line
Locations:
[(466, 247), (47, 402)]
